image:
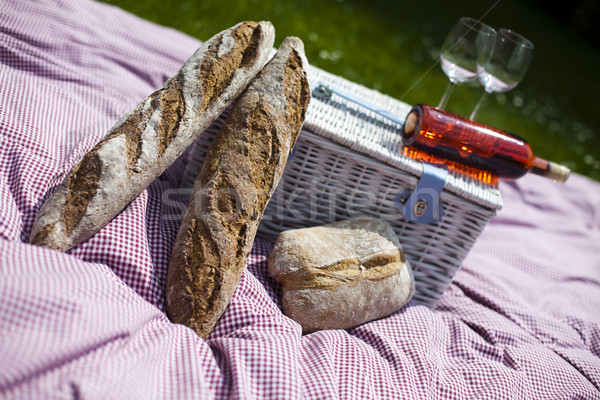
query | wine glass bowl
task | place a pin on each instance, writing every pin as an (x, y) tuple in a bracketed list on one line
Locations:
[(469, 44), (507, 65)]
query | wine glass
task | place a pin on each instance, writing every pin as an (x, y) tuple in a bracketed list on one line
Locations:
[(469, 42), (506, 67)]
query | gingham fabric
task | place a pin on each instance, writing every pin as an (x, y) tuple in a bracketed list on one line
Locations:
[(520, 320)]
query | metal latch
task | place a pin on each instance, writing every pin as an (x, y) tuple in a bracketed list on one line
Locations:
[(423, 204)]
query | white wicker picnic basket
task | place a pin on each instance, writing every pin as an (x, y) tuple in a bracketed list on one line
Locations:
[(347, 162)]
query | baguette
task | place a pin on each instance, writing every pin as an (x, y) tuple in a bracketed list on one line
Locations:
[(236, 180), (147, 140), (341, 275)]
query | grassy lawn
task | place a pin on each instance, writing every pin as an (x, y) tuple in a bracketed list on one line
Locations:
[(393, 46)]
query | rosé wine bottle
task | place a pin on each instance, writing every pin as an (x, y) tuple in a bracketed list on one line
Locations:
[(431, 134)]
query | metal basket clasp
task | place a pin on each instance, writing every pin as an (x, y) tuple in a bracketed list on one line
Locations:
[(423, 204)]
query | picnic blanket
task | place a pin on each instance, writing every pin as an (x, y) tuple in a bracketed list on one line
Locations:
[(520, 320)]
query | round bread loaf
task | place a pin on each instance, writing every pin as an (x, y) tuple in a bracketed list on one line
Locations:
[(341, 275)]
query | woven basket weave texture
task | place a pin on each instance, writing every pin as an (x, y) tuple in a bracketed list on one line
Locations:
[(348, 162)]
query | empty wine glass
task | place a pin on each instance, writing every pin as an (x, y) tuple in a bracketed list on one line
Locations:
[(469, 42), (507, 66)]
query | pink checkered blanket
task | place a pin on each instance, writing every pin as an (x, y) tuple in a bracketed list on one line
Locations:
[(520, 321)]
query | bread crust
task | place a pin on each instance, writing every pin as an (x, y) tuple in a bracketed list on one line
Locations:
[(236, 180), (341, 275), (149, 138)]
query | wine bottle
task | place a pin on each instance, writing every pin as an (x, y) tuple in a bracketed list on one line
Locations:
[(447, 136)]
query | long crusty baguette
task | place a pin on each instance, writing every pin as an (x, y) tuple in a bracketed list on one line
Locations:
[(150, 137), (236, 180)]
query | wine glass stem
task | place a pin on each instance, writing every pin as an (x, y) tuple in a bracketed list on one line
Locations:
[(446, 95), (478, 105)]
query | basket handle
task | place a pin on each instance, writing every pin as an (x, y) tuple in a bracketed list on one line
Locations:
[(324, 91)]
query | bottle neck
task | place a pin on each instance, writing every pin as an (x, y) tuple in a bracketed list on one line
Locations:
[(549, 169)]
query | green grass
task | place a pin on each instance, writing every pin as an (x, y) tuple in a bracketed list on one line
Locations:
[(393, 46)]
